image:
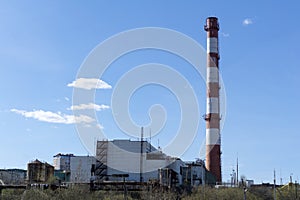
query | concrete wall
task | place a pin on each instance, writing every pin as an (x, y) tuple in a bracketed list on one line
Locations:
[(123, 157), (81, 168)]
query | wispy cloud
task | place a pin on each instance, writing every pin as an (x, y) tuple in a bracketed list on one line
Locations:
[(89, 83), (225, 34), (90, 106), (100, 126), (51, 117), (67, 99), (247, 21)]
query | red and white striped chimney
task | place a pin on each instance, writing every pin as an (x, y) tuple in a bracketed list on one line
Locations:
[(212, 117)]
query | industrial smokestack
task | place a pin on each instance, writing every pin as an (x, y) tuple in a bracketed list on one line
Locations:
[(212, 117)]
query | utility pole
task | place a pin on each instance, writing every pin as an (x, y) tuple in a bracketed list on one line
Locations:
[(245, 194), (237, 171), (274, 184), (141, 157)]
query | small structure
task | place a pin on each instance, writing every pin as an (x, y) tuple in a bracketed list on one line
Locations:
[(167, 177), (194, 173), (39, 172), (249, 183)]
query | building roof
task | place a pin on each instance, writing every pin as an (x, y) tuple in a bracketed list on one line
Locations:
[(64, 155)]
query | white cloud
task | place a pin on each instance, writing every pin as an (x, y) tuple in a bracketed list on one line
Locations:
[(67, 99), (90, 106), (247, 21), (225, 34), (82, 119), (48, 116), (89, 83), (100, 126)]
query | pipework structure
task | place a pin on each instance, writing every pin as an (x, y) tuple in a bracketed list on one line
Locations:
[(212, 117)]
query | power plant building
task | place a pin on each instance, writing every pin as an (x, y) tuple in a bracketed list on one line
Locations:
[(139, 161)]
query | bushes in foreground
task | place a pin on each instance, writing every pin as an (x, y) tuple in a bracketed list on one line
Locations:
[(205, 193)]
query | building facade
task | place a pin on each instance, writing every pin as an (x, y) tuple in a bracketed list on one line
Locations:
[(139, 160), (39, 172), (194, 173), (13, 176), (62, 161), (82, 169)]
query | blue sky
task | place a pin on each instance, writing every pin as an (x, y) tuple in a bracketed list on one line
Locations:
[(43, 45)]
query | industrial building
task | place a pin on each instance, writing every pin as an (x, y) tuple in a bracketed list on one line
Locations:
[(62, 161), (12, 176), (194, 173), (135, 161), (74, 169), (141, 162), (39, 172), (82, 169)]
